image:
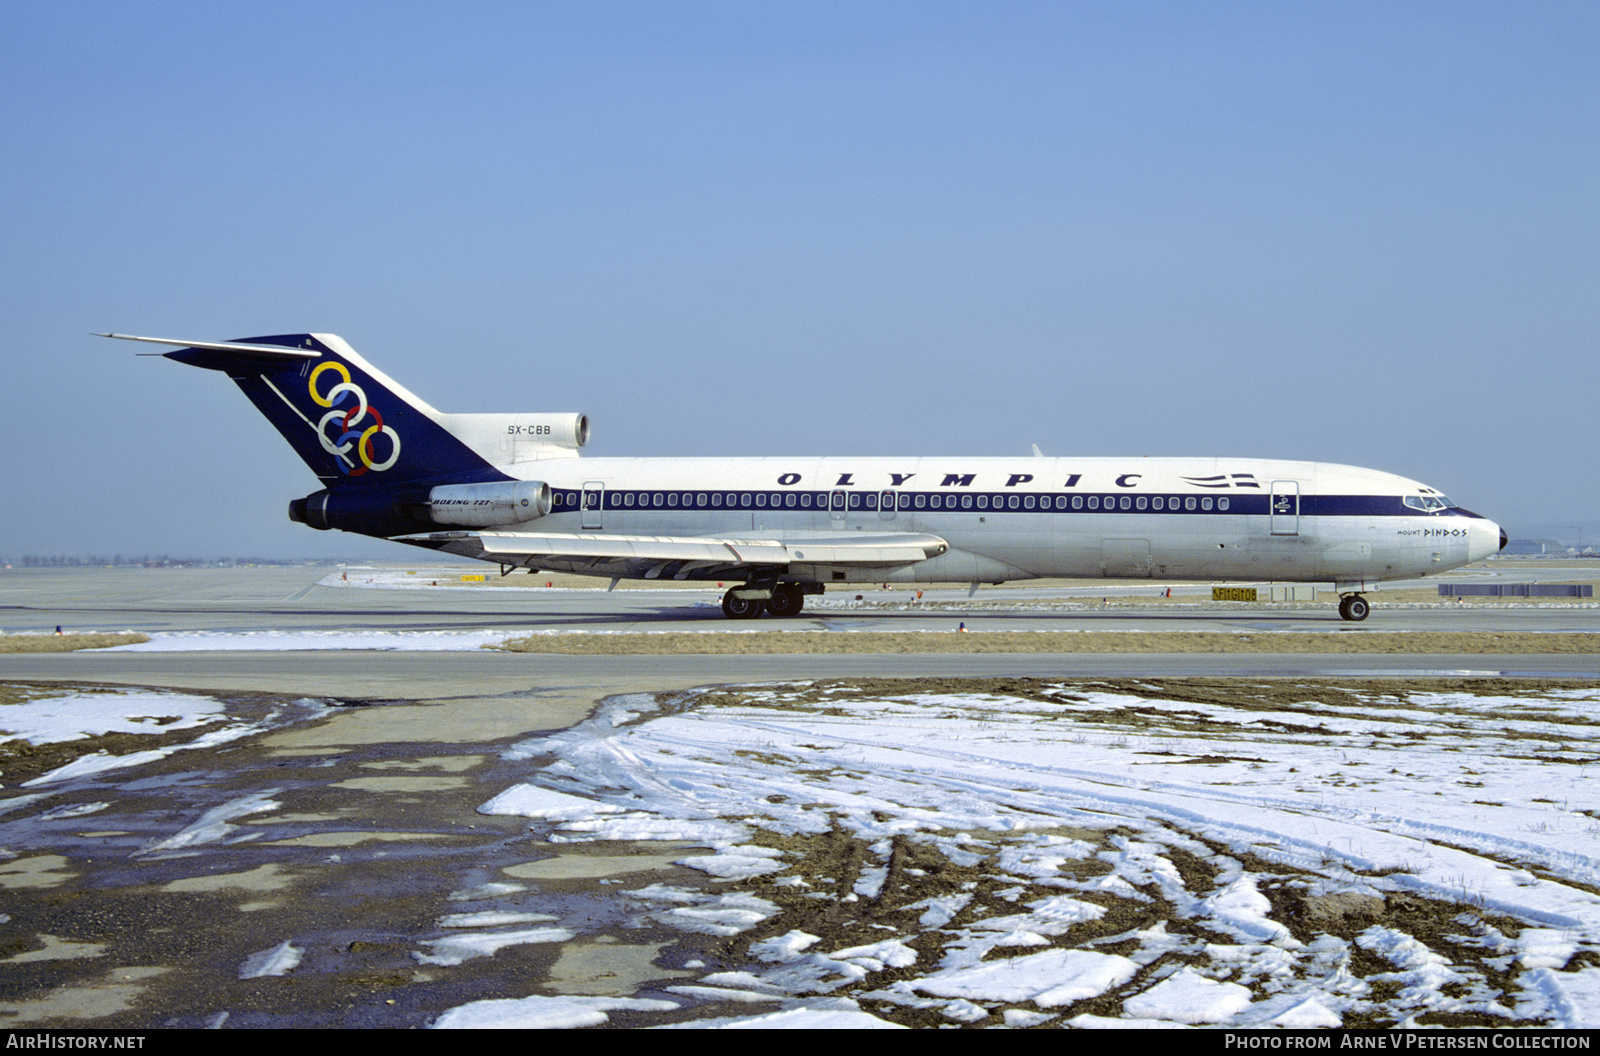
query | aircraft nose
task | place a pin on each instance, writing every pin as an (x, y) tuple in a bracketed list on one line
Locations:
[(1486, 539)]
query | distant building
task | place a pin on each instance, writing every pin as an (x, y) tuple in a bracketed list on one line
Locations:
[(1533, 548)]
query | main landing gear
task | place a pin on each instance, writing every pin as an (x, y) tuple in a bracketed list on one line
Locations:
[(783, 601), (736, 608), (1354, 607), (786, 601)]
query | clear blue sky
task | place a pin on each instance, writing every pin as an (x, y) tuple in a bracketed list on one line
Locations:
[(1347, 232)]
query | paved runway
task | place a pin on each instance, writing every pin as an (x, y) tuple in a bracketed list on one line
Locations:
[(428, 676), (291, 598)]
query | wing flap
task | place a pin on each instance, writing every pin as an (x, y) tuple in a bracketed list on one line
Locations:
[(637, 547), (679, 557)]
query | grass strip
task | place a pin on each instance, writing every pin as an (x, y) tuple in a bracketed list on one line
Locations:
[(66, 643), (807, 642)]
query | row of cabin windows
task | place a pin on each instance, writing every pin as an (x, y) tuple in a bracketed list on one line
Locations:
[(822, 500)]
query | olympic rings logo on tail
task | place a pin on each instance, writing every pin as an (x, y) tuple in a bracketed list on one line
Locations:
[(349, 420)]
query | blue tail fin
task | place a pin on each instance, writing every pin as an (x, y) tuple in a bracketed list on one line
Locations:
[(347, 420)]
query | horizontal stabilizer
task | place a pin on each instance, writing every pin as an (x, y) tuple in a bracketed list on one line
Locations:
[(278, 352)]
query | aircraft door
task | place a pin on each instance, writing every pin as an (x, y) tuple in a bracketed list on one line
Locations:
[(592, 503), (886, 506), (1285, 507), (836, 507), (1125, 558)]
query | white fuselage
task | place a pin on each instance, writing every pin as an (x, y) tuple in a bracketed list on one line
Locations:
[(511, 489), (1021, 518)]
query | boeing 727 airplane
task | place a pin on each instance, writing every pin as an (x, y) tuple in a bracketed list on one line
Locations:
[(510, 489)]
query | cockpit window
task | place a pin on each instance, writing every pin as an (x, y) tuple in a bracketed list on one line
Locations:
[(1428, 503)]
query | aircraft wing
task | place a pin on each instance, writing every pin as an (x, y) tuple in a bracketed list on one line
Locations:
[(682, 557)]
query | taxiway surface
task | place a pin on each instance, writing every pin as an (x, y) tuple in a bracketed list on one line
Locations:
[(433, 598)]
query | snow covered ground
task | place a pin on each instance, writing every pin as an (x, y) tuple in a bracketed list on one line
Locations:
[(79, 714), (1107, 856), (1094, 854)]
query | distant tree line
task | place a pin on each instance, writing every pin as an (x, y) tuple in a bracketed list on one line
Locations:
[(141, 561)]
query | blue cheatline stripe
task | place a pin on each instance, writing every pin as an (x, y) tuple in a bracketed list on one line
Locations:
[(992, 502)]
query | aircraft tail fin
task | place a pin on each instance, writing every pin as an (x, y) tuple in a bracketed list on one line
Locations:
[(352, 424)]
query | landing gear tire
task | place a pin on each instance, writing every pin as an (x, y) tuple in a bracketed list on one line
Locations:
[(1354, 607), (742, 608), (786, 601)]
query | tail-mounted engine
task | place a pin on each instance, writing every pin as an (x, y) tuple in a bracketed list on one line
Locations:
[(488, 505), (505, 439), (387, 513)]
